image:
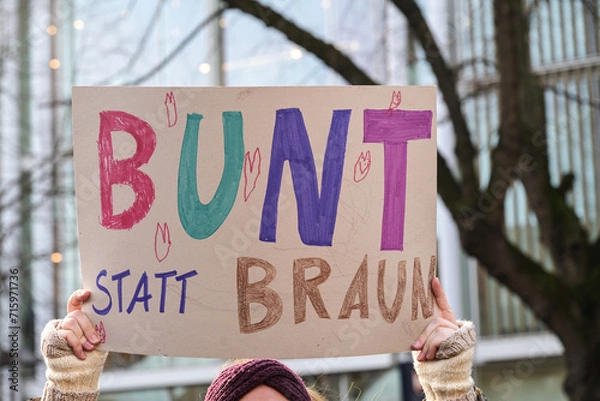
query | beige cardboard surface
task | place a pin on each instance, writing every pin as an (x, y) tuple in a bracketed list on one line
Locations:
[(285, 257)]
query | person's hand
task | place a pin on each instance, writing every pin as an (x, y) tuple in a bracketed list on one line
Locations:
[(443, 354), (439, 329), (68, 346), (76, 328)]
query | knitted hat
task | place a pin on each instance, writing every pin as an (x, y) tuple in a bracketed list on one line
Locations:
[(238, 380)]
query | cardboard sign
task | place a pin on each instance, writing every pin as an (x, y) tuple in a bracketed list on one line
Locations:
[(257, 222)]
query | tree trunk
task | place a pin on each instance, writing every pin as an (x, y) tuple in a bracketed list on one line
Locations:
[(523, 122), (583, 380)]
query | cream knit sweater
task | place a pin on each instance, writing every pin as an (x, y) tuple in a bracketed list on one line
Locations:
[(447, 378), (67, 377)]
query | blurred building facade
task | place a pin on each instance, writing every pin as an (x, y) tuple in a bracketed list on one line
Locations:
[(50, 45)]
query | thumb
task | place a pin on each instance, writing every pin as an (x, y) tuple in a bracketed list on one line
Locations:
[(77, 299)]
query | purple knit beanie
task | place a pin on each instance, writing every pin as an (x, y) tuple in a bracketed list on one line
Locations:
[(238, 380)]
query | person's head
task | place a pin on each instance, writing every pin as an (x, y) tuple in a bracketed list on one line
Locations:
[(259, 380)]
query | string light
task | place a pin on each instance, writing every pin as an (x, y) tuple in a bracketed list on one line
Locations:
[(296, 54), (56, 257), (51, 30), (54, 63), (78, 24), (204, 68)]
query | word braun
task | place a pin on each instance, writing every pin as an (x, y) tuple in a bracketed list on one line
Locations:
[(308, 289)]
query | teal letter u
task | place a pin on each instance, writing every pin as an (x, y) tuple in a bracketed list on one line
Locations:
[(201, 220)]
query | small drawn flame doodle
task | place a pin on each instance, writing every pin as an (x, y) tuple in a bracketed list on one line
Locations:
[(101, 332), (395, 102), (362, 166), (162, 242), (251, 172), (171, 106)]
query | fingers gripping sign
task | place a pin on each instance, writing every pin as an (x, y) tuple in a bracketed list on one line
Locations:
[(443, 354), (439, 328), (76, 328)]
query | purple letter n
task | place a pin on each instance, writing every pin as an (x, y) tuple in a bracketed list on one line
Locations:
[(395, 128), (316, 212)]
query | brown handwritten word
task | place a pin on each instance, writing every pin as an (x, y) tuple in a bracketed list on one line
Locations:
[(307, 290)]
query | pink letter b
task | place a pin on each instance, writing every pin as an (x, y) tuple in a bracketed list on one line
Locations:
[(125, 171)]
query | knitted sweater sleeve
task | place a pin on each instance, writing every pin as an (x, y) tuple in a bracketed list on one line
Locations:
[(448, 376), (67, 377)]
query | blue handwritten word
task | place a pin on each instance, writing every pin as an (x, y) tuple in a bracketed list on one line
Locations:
[(141, 294)]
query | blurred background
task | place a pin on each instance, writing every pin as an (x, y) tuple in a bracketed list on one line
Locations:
[(47, 46)]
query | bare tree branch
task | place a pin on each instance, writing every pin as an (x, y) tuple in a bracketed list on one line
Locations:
[(595, 253), (465, 151), (515, 83), (532, 9), (522, 147), (538, 288), (164, 62), (574, 97), (328, 53), (472, 62), (182, 45), (141, 45)]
